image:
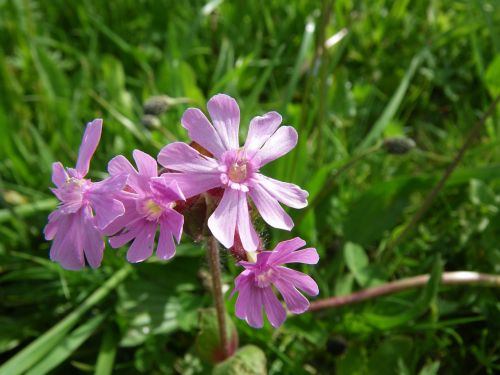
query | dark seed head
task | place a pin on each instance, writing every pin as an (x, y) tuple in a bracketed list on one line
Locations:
[(156, 105), (398, 145), (151, 121)]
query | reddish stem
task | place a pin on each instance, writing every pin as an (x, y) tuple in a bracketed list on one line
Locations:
[(448, 278)]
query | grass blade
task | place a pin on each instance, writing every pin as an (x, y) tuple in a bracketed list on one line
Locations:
[(30, 355), (107, 352), (394, 103), (67, 346)]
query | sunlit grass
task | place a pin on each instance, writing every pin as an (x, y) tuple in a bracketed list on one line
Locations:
[(423, 70)]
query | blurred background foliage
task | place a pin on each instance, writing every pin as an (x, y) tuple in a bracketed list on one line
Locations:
[(346, 74)]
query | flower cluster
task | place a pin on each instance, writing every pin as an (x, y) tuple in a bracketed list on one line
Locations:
[(135, 203)]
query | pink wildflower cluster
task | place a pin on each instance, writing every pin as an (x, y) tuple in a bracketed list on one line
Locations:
[(135, 203)]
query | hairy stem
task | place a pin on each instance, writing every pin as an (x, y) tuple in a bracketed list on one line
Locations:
[(213, 256), (473, 134), (448, 278)]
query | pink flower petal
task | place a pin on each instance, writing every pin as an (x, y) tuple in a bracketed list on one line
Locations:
[(166, 246), (242, 285), (295, 301), (128, 218), (192, 184), (169, 192), (225, 115), (254, 307), (181, 157), (146, 164), (142, 247), (59, 175), (202, 132), (299, 280), (173, 223), (52, 226), (278, 145), (286, 247), (67, 246), (89, 144), (274, 309), (176, 190), (93, 244), (269, 209), (111, 184), (121, 239), (260, 129), (120, 165), (106, 210), (285, 250), (306, 256), (222, 222), (248, 236), (101, 196), (288, 194)]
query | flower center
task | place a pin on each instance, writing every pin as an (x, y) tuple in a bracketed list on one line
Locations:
[(238, 171), (152, 210), (265, 278)]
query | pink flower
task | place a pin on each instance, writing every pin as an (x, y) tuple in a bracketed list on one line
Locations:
[(234, 168), (149, 202), (85, 208), (255, 284)]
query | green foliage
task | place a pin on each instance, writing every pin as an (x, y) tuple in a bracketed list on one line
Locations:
[(249, 360), (208, 342), (425, 70)]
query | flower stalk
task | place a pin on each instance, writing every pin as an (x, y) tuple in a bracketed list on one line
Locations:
[(214, 260), (448, 278)]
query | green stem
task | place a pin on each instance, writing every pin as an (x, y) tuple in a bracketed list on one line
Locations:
[(448, 278)]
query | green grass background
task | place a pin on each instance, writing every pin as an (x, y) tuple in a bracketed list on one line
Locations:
[(426, 70)]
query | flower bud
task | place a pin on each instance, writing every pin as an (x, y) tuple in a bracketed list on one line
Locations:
[(156, 105), (398, 145), (151, 121)]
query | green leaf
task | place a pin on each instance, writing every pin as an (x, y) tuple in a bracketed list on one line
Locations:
[(353, 362), (358, 263), (378, 209), (481, 194), (159, 301), (249, 360), (39, 348), (356, 259), (66, 347), (492, 77), (430, 369), (386, 357), (208, 343), (107, 352)]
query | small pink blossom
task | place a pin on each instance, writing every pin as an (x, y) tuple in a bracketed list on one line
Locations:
[(235, 169), (85, 208), (149, 202), (254, 285)]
